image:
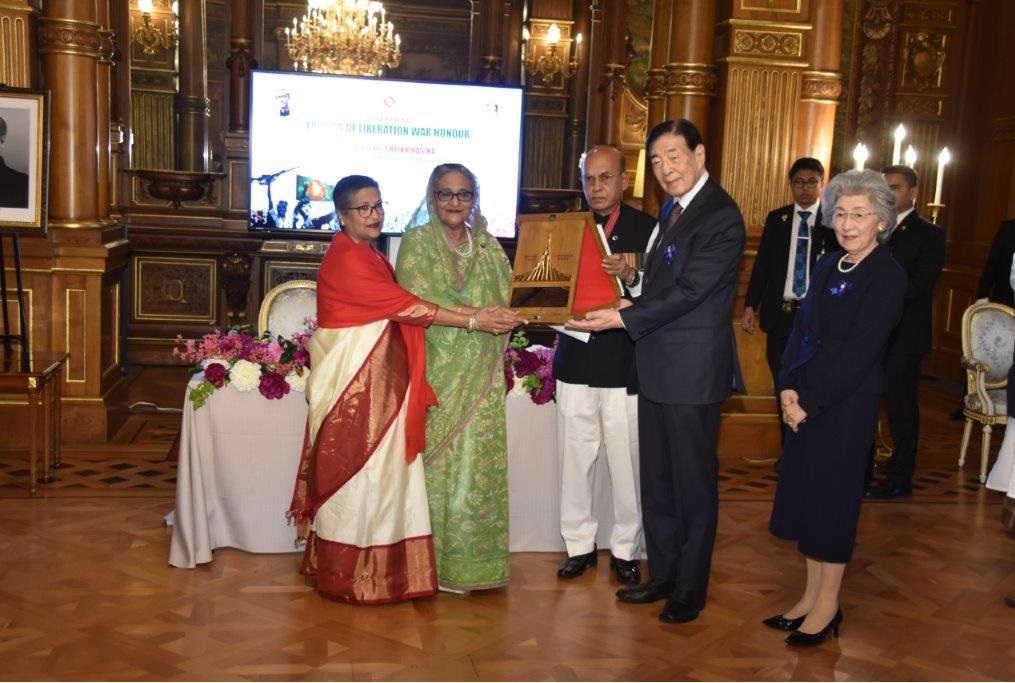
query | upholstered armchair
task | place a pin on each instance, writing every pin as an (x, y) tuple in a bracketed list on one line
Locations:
[(988, 336), (287, 306)]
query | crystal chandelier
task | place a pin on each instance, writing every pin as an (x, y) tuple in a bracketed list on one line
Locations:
[(343, 37)]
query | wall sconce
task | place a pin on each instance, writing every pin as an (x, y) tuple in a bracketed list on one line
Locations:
[(549, 65), (148, 37)]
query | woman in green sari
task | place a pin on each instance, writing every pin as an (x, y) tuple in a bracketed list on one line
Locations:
[(448, 257)]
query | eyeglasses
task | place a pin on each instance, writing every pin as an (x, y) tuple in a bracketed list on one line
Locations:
[(809, 184), (840, 216), (462, 195), (365, 210), (604, 178)]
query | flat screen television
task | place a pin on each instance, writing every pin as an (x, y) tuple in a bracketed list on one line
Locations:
[(309, 130)]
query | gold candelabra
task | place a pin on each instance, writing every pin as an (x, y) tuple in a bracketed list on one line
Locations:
[(549, 65), (344, 37)]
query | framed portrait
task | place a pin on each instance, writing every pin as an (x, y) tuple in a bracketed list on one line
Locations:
[(556, 274), (24, 152)]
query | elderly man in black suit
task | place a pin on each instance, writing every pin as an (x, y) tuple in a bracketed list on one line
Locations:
[(593, 404), (919, 247), (793, 239), (13, 183), (686, 366)]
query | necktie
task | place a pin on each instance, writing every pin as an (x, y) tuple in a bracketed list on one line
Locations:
[(800, 262), (664, 230)]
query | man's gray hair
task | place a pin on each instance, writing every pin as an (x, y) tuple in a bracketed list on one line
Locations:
[(867, 183)]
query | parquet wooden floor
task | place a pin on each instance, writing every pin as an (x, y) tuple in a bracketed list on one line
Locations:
[(86, 593)]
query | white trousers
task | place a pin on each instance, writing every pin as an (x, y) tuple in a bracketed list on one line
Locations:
[(588, 417)]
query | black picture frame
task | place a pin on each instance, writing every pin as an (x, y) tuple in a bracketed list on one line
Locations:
[(24, 160)]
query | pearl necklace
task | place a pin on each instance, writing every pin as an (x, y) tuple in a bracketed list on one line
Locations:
[(467, 252), (843, 260)]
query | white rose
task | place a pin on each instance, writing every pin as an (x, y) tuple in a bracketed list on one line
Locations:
[(244, 375), (297, 382)]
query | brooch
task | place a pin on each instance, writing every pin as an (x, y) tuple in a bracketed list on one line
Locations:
[(841, 287), (785, 218), (614, 237), (668, 253)]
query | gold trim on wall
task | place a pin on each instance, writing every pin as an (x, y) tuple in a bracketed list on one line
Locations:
[(68, 317), (210, 264)]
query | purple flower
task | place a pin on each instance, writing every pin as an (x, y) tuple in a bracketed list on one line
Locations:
[(273, 385), (527, 362), (215, 374)]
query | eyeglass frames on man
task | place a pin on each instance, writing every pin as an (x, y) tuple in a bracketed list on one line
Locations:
[(810, 183)]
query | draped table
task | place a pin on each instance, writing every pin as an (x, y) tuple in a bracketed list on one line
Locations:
[(238, 459)]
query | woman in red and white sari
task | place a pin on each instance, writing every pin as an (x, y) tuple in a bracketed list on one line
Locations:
[(360, 498)]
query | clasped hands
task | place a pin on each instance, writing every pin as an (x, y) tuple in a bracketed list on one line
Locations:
[(497, 320), (614, 265), (792, 414)]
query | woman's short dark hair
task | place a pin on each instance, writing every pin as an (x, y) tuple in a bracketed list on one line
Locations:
[(348, 186), (680, 127), (867, 183)]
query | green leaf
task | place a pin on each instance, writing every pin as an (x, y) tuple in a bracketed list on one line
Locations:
[(200, 394)]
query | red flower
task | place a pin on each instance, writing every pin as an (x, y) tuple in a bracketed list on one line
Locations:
[(273, 385), (216, 374)]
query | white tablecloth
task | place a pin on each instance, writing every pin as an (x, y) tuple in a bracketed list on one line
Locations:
[(238, 460)]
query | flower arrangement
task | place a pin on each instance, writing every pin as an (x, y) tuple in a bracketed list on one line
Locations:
[(272, 365), (529, 369)]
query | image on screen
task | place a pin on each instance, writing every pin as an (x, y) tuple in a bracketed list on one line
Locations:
[(309, 130)]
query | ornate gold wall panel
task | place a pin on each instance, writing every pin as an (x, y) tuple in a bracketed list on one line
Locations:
[(688, 79), (543, 141), (277, 271), (76, 313), (759, 137), (16, 43), (786, 6), (154, 129), (109, 341), (169, 289)]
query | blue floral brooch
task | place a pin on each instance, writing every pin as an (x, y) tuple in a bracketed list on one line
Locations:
[(841, 287), (669, 253)]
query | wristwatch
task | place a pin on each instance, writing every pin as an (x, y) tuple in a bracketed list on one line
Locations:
[(635, 280)]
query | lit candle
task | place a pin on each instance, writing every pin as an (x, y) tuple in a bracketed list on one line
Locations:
[(900, 135), (145, 6), (942, 160), (860, 154), (578, 47), (910, 156)]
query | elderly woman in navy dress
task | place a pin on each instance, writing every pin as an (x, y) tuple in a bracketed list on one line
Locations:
[(829, 387)]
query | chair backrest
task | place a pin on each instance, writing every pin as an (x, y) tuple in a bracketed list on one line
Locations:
[(988, 335), (286, 307)]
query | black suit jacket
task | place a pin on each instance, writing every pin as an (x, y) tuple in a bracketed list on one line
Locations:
[(682, 324), (919, 247), (768, 275), (994, 284), (837, 345), (13, 187), (605, 360)]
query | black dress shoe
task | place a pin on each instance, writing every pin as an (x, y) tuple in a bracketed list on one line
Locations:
[(887, 490), (681, 608), (650, 591), (802, 639), (627, 570), (576, 564), (781, 623)]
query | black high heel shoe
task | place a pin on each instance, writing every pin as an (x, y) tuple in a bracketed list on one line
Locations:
[(802, 639), (781, 623)]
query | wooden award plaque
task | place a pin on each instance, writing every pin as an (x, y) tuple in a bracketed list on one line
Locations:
[(557, 273)]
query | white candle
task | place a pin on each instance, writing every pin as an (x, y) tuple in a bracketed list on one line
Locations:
[(910, 156), (860, 156), (942, 160), (900, 135)]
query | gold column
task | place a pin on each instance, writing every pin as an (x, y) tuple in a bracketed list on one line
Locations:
[(70, 44), (655, 94), (821, 84), (192, 105), (607, 28), (241, 61), (103, 98), (491, 67), (689, 80), (576, 105), (17, 44)]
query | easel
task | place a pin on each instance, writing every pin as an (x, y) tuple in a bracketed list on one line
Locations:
[(22, 335)]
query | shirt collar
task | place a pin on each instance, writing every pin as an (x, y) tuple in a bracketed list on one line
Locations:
[(685, 200)]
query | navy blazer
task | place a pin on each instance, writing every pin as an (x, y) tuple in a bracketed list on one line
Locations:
[(768, 274), (685, 351), (919, 247), (838, 341)]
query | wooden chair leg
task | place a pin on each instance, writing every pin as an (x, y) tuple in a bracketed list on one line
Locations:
[(984, 452), (966, 433)]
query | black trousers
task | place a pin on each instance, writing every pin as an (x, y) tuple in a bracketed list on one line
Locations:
[(679, 491), (902, 377)]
